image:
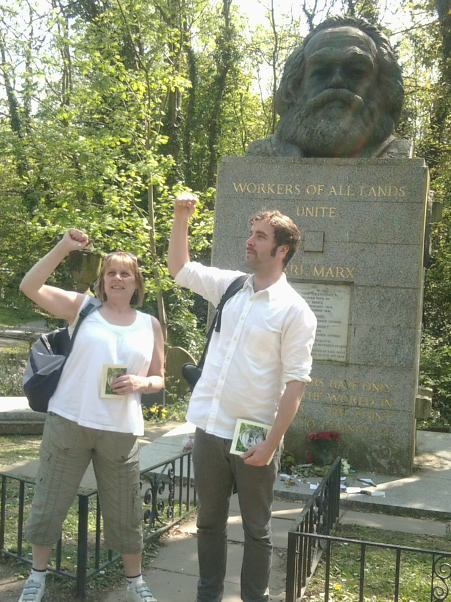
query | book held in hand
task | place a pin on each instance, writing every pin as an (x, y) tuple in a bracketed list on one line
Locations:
[(247, 434), (109, 373)]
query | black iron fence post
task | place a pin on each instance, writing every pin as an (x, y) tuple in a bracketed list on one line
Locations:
[(82, 550)]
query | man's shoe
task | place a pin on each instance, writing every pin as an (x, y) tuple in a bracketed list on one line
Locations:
[(33, 591), (140, 593)]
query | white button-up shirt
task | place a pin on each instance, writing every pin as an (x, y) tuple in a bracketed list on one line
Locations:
[(265, 341)]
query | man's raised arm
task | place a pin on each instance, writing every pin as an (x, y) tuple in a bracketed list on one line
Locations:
[(178, 252)]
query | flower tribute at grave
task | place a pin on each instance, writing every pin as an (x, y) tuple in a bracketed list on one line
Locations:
[(324, 445)]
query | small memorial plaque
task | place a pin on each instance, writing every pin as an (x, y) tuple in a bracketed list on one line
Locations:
[(330, 304)]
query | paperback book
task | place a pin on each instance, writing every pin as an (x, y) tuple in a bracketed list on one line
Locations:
[(109, 373)]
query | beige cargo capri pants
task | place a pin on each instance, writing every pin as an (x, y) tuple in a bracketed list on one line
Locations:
[(65, 453)]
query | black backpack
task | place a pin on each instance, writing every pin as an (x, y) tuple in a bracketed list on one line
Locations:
[(46, 361)]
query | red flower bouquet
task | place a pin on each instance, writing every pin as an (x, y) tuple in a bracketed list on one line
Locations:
[(324, 443), (323, 435)]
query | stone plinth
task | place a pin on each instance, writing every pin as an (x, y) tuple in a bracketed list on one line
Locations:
[(360, 267)]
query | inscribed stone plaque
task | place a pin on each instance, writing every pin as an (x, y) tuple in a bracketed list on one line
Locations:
[(330, 303)]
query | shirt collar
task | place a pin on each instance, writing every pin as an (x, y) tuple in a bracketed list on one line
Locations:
[(271, 290)]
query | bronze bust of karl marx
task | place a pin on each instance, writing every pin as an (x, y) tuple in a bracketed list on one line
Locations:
[(340, 95)]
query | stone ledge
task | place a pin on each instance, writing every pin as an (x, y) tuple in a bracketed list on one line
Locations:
[(22, 415), (17, 418), (21, 427)]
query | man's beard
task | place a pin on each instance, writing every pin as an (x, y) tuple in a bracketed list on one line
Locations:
[(336, 123)]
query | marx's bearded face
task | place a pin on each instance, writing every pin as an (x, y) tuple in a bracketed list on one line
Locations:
[(337, 112)]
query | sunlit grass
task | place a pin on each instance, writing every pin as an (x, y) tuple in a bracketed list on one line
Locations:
[(17, 448), (14, 316), (380, 567)]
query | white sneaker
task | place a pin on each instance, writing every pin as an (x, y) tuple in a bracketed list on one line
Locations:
[(33, 591), (140, 593)]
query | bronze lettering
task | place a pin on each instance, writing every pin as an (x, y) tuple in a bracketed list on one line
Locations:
[(372, 415), (296, 269), (315, 189), (312, 211), (333, 272), (378, 387), (383, 191), (309, 424), (353, 400), (343, 384), (341, 190), (314, 395), (384, 431), (379, 191)]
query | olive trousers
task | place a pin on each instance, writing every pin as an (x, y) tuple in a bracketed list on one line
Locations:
[(65, 453), (218, 474)]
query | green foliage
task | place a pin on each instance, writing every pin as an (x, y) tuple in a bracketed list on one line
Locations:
[(287, 462), (174, 411), (12, 316), (12, 367), (436, 373), (427, 120), (96, 153)]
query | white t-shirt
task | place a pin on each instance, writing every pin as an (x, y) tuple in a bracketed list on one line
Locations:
[(98, 342), (265, 341)]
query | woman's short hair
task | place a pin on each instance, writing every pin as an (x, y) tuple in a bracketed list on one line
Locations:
[(131, 262)]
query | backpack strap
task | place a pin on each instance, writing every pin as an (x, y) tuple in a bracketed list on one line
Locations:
[(232, 289), (87, 309), (235, 286)]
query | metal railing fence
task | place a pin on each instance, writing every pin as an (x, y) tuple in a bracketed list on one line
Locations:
[(319, 516), (168, 496), (436, 571), (310, 541)]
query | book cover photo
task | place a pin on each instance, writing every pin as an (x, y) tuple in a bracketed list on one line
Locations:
[(247, 434), (109, 373)]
